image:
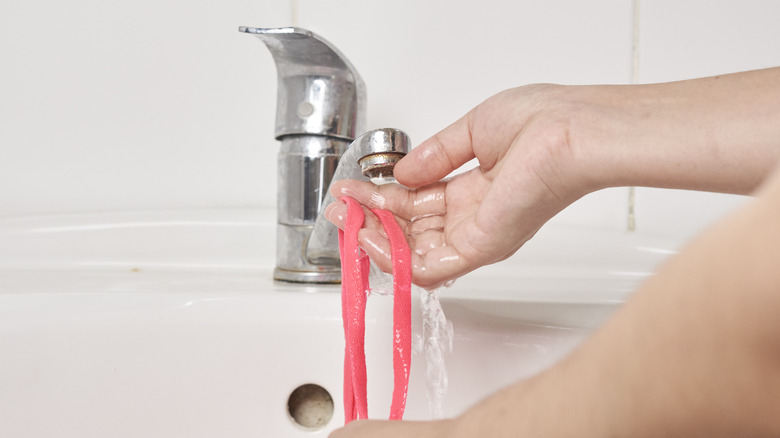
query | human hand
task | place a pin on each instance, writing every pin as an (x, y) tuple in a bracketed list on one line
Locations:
[(525, 150)]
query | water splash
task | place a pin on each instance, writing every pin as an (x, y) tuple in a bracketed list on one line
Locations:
[(434, 343)]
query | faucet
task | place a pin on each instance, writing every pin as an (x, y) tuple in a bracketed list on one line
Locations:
[(320, 107)]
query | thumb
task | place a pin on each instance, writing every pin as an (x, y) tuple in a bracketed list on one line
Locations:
[(437, 156)]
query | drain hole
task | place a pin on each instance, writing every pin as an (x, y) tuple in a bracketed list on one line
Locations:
[(310, 406)]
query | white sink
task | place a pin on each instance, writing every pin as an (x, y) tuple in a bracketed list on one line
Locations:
[(166, 324)]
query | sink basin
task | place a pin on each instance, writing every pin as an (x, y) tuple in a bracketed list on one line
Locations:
[(168, 324)]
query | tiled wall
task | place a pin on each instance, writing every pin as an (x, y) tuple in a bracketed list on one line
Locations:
[(163, 104)]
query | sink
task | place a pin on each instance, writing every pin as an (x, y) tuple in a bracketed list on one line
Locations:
[(167, 323)]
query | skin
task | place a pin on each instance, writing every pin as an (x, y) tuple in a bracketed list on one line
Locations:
[(695, 351)]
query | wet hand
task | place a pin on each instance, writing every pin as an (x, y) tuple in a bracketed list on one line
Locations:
[(436, 219), (483, 215)]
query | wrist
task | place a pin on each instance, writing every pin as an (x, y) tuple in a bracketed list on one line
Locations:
[(609, 126), (574, 130)]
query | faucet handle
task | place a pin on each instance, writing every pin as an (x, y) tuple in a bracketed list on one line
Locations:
[(319, 91)]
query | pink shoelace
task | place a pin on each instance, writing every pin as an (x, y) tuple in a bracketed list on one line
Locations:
[(354, 293)]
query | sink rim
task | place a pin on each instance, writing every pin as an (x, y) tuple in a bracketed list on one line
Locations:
[(562, 264)]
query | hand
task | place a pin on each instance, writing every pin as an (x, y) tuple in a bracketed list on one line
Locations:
[(484, 215)]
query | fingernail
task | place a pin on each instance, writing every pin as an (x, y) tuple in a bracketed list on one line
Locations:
[(331, 212)]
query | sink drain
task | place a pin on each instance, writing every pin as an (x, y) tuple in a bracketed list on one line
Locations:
[(310, 406)]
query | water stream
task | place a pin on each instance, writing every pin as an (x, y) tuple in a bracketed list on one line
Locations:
[(434, 343)]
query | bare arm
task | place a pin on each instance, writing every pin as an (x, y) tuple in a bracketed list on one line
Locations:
[(696, 351), (717, 134), (542, 147)]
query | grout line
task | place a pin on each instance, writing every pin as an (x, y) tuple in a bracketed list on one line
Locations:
[(294, 13), (634, 80), (631, 206), (634, 42)]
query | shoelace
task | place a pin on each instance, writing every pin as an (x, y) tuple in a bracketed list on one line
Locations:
[(354, 293)]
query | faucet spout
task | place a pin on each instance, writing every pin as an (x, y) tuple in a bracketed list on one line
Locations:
[(320, 109), (371, 156), (319, 91)]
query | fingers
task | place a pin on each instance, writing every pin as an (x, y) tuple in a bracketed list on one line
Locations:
[(433, 260), (387, 197), (438, 156), (404, 203), (371, 237)]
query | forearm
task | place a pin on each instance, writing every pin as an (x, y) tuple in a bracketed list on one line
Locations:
[(717, 134), (695, 352)]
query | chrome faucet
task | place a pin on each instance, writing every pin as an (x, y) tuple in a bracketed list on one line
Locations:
[(320, 107)]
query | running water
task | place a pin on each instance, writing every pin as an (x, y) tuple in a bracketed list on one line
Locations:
[(435, 342)]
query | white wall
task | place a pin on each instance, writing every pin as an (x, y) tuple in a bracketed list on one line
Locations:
[(693, 38), (108, 105)]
